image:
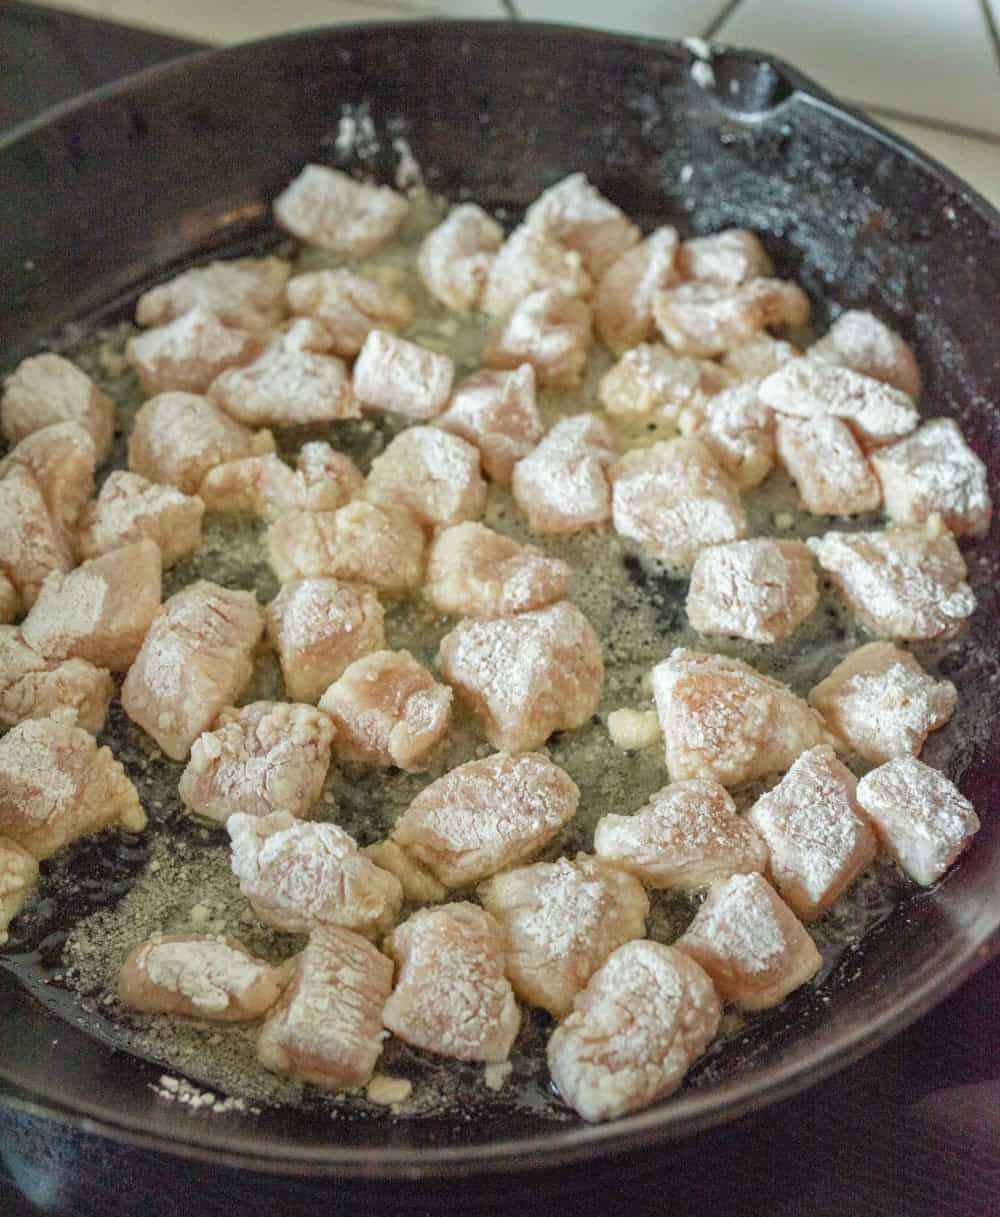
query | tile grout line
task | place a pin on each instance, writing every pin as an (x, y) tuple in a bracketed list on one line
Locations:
[(925, 120), (510, 8), (720, 19), (991, 25)]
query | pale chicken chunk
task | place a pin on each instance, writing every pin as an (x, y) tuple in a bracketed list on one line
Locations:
[(432, 473), (827, 465), (562, 486), (330, 479), (455, 258), (758, 358), (248, 293), (418, 884), (623, 301), (577, 215), (529, 262), (547, 329), (304, 334), (643, 1020), (651, 382), (858, 340), (709, 319), (131, 508), (187, 354), (56, 785), (724, 720), (33, 687), (285, 387), (486, 816), (394, 375), (323, 480), (496, 411), (738, 430), (61, 459), (332, 211), (560, 922), (18, 876), (730, 257), (48, 389), (10, 601), (32, 545), (526, 676), (196, 659), (451, 996), (349, 306), (387, 710)]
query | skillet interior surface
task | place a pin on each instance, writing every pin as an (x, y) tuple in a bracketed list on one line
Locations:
[(182, 162)]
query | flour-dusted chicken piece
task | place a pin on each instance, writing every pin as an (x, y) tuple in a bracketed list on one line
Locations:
[(299, 877), (750, 943), (131, 508), (935, 471), (248, 293), (758, 358), (906, 582), (560, 921), (562, 486), (32, 545), (709, 319), (34, 687), (196, 659), (178, 437), (394, 375), (360, 542), (253, 485), (817, 836), (332, 211), (812, 388), (349, 306), (724, 720), (418, 884), (643, 1020), (303, 334), (496, 411), (187, 354), (387, 710), (547, 329), (730, 257), (738, 430), (486, 816), (61, 458), (631, 730), (687, 836), (10, 601), (761, 590), (432, 473), (285, 387), (529, 262), (881, 703), (475, 572), (675, 500), (860, 341), (623, 301), (455, 258), (578, 216), (264, 757), (48, 389), (198, 976), (330, 479), (18, 876), (526, 676), (56, 785), (922, 819), (827, 465), (451, 995), (651, 382)]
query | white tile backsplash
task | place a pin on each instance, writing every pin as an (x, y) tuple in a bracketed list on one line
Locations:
[(659, 18), (976, 161)]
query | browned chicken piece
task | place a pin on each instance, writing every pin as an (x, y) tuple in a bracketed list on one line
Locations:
[(56, 785), (33, 687), (709, 319), (906, 582), (418, 884), (750, 943), (253, 485), (197, 658), (687, 836), (675, 500), (360, 543), (650, 381), (758, 358), (349, 306), (623, 301), (486, 816), (32, 545), (738, 430), (547, 329), (264, 757), (475, 572), (730, 257), (10, 601), (432, 473), (131, 508), (761, 590), (827, 465), (560, 921), (186, 355), (284, 387), (562, 486), (18, 876), (526, 676), (61, 459), (935, 471), (197, 976), (496, 411), (387, 710), (529, 262), (327, 1026), (451, 996), (578, 216), (881, 703), (248, 293), (319, 627), (860, 341), (455, 258), (300, 877), (394, 375), (640, 1024), (332, 211), (178, 437), (922, 819), (724, 720), (48, 389)]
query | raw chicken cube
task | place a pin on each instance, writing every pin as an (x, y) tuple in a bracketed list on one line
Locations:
[(61, 459), (332, 211), (304, 334), (881, 703), (761, 590), (577, 215), (709, 319), (827, 466), (921, 818), (750, 943), (253, 485), (817, 835), (529, 262), (419, 885), (186, 355), (496, 411), (33, 687), (562, 486), (431, 473), (640, 1024), (349, 306), (455, 258), (724, 720), (48, 389), (451, 996), (623, 301), (687, 836), (486, 816), (526, 676), (860, 341), (560, 922), (10, 601), (248, 293), (738, 430), (395, 375), (18, 876), (758, 358), (284, 387), (196, 659), (32, 545), (130, 508), (327, 1026), (387, 710), (547, 329), (650, 381), (730, 257), (56, 785), (330, 479)]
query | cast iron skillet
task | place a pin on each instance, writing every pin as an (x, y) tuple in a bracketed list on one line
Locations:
[(180, 161)]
